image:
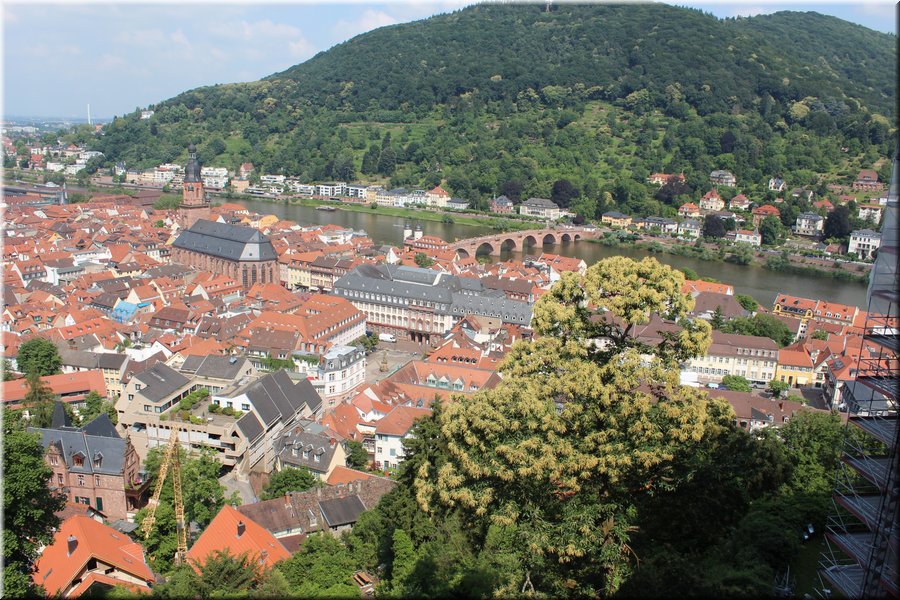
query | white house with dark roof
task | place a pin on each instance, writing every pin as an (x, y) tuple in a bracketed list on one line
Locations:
[(863, 243), (315, 451), (809, 223), (540, 207)]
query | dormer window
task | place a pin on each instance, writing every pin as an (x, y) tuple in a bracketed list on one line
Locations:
[(98, 460), (306, 454), (78, 460)]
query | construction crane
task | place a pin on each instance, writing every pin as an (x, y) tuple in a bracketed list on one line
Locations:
[(171, 460)]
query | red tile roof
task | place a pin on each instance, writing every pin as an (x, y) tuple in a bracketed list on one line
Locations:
[(56, 569), (399, 421), (222, 534)]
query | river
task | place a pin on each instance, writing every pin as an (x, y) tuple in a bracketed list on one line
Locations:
[(758, 282)]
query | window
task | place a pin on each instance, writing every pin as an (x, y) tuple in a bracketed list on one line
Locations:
[(54, 460), (78, 460), (148, 408), (59, 478), (393, 452), (306, 454), (100, 504), (81, 480), (245, 407), (130, 397), (97, 480), (316, 458), (295, 452)]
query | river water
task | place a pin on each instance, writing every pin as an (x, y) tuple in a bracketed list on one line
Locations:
[(760, 283)]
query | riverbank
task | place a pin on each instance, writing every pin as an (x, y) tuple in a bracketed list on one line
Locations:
[(497, 223), (793, 264)]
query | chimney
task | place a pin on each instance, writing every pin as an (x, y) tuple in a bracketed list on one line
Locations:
[(72, 544), (240, 528), (781, 406), (332, 442)]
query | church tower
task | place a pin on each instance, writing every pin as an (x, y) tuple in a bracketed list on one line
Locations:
[(194, 205)]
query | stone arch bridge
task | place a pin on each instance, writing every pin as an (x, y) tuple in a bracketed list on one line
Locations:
[(516, 241)]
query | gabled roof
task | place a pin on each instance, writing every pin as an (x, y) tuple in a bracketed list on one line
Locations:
[(222, 534), (341, 511), (399, 421), (222, 240), (56, 568)]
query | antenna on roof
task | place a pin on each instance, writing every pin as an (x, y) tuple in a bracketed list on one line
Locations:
[(89, 114)]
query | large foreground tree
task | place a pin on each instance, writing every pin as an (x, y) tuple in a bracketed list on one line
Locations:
[(555, 455)]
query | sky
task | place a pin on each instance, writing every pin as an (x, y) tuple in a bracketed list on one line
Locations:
[(59, 58)]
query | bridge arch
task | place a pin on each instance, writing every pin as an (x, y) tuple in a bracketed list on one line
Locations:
[(566, 238), (509, 244), (484, 248), (462, 252), (549, 239), (529, 241)]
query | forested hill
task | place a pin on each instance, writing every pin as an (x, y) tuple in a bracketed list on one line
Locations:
[(511, 98), (502, 50)]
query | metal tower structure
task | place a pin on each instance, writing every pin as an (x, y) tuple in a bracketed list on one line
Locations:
[(171, 460), (861, 557)]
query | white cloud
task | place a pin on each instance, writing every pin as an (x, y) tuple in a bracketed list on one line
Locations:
[(179, 38), (369, 20), (258, 30), (301, 48)]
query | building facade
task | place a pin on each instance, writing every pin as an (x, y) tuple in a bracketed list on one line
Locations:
[(242, 253)]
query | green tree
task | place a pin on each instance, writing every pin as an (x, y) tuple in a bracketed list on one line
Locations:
[(718, 319), (203, 497), (423, 260), (289, 479), (370, 160), (357, 455), (820, 334), (323, 567), (159, 223), (736, 383), (778, 387), (39, 355), (29, 507), (762, 326), (8, 373), (713, 227), (39, 400), (226, 575), (403, 565), (770, 230), (748, 302), (837, 223), (559, 448)]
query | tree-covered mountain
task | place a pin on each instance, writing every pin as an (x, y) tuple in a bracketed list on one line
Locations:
[(513, 98)]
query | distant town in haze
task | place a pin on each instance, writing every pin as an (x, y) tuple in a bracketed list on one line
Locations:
[(517, 300)]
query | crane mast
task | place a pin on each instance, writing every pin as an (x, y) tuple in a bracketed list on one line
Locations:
[(171, 460)]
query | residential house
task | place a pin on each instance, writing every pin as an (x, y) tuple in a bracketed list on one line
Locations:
[(795, 367), (725, 178), (810, 224), (235, 533), (615, 219), (748, 237), (864, 243), (752, 413), (331, 509), (867, 212), (540, 207), (87, 558), (661, 224), (739, 202), (777, 184), (111, 365), (502, 205), (437, 197), (712, 201), (662, 179), (690, 228), (706, 304), (390, 431), (867, 180), (67, 387), (689, 210), (761, 212), (752, 357), (802, 194), (317, 452), (94, 466)]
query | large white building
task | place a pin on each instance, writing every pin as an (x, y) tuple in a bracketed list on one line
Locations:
[(390, 431), (863, 243), (752, 357), (422, 304)]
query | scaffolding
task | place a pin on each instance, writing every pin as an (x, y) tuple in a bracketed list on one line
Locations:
[(861, 555)]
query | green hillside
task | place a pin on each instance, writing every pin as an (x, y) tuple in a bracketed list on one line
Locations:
[(511, 98)]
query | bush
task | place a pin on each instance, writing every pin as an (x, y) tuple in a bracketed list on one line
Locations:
[(214, 408), (228, 411)]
